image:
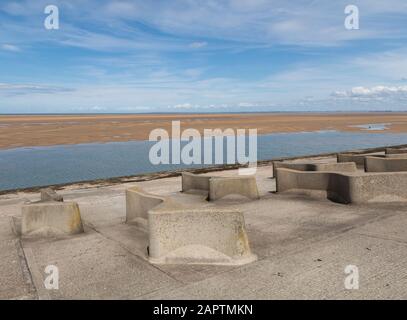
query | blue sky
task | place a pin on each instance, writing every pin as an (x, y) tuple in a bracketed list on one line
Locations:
[(202, 56)]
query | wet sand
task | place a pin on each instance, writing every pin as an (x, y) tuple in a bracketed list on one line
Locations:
[(45, 130)]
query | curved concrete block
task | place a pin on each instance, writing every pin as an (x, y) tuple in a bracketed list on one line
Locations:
[(221, 187), (396, 150), (218, 187), (359, 159), (192, 181), (346, 188), (396, 155), (315, 166), (178, 234), (138, 202), (198, 236), (378, 187), (381, 164), (289, 179), (52, 218)]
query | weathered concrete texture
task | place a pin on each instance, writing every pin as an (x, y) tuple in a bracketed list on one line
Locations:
[(15, 282), (192, 181), (198, 236), (138, 202), (49, 194), (309, 166), (49, 219), (381, 164), (358, 158), (219, 187), (358, 188), (180, 234), (396, 155), (396, 150), (92, 266)]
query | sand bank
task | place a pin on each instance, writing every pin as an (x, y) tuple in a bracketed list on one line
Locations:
[(45, 130)]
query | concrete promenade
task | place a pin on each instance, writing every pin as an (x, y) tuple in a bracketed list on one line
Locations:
[(303, 244)]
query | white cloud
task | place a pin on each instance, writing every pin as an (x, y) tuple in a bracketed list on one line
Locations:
[(21, 89), (250, 22), (197, 45), (10, 47), (183, 106), (388, 92)]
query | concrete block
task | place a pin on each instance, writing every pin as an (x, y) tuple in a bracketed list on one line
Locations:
[(377, 188), (315, 166), (49, 219), (396, 150), (138, 202), (244, 185), (188, 235), (396, 155), (385, 164), (192, 181), (218, 187), (359, 159), (198, 236), (357, 188), (47, 194)]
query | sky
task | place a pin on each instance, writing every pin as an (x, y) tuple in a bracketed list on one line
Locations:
[(202, 56)]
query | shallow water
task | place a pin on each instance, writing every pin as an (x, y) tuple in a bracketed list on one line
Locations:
[(373, 126), (38, 166)]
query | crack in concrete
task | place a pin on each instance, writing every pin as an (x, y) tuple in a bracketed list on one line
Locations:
[(25, 269)]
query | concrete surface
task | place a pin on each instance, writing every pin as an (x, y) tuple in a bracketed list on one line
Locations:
[(303, 244)]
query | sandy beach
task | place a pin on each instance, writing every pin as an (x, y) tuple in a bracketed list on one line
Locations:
[(45, 130)]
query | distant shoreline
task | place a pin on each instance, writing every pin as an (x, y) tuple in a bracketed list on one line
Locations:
[(197, 113), (25, 130)]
